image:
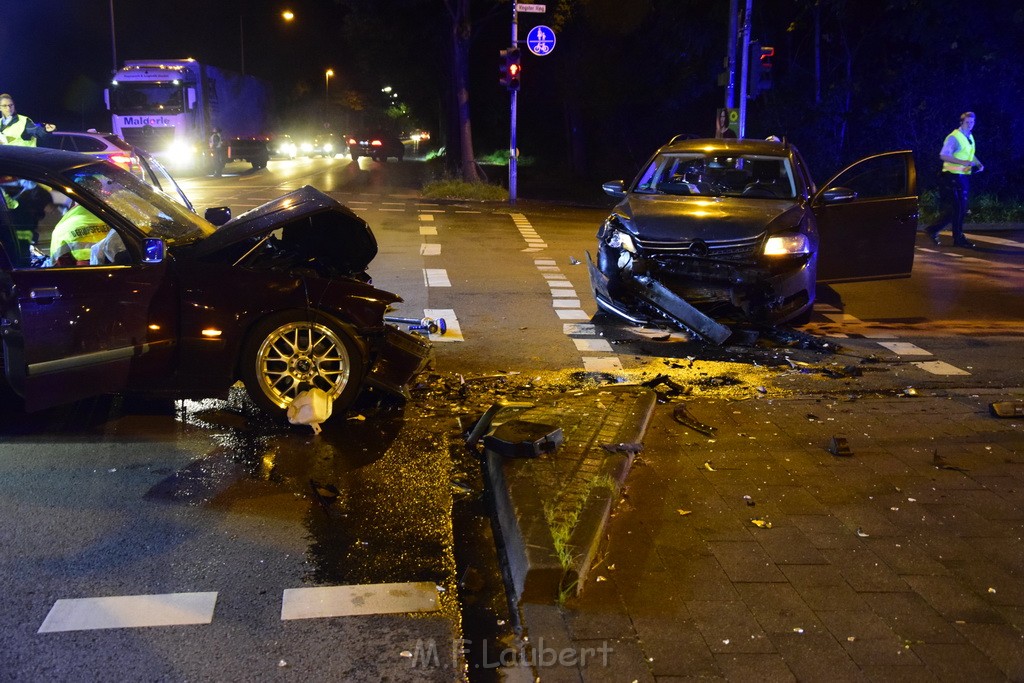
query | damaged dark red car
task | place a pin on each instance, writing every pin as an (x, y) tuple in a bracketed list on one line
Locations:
[(715, 232), (171, 305)]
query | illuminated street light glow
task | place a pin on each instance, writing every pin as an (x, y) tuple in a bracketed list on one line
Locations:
[(287, 15)]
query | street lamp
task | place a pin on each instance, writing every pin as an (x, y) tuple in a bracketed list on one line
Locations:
[(327, 84)]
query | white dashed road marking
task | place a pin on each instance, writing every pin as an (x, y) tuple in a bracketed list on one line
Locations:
[(436, 277), (130, 611), (938, 367), (342, 601), (905, 349), (429, 249)]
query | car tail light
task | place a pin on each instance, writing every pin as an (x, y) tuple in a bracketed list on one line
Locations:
[(125, 161), (376, 143)]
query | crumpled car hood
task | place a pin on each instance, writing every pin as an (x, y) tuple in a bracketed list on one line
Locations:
[(661, 219), (310, 221)]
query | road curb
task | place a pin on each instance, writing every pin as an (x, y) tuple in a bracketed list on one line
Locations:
[(552, 509)]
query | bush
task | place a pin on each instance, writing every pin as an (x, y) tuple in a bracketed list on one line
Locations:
[(985, 208), (449, 188)]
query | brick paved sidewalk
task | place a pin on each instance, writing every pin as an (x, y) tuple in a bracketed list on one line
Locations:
[(904, 561)]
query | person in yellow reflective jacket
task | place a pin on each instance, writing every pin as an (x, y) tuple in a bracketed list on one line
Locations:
[(958, 160), (19, 130), (74, 236)]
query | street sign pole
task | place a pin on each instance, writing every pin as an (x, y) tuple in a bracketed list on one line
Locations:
[(513, 156)]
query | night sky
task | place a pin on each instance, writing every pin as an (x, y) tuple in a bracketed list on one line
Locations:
[(56, 56)]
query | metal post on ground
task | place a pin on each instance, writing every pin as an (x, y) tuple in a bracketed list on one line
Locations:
[(513, 154)]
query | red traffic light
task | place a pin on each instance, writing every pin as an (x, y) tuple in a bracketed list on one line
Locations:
[(510, 68)]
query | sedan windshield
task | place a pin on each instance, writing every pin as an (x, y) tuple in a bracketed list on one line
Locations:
[(153, 213), (749, 175)]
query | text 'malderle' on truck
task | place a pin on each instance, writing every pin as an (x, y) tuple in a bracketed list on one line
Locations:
[(170, 107)]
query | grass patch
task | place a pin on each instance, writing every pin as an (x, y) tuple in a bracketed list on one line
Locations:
[(448, 188), (985, 208)]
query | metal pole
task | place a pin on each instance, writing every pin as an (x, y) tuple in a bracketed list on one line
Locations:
[(241, 40), (746, 67), (730, 88), (513, 149), (113, 37)]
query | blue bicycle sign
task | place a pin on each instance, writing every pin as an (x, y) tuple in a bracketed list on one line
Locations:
[(541, 40)]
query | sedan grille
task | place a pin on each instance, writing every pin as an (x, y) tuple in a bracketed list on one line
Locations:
[(738, 250)]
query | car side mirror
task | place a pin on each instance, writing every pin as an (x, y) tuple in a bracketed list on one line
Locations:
[(153, 250), (218, 215), (614, 188), (834, 195)]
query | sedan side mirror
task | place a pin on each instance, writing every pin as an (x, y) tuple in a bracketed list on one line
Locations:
[(614, 188), (838, 194), (153, 250), (218, 215)]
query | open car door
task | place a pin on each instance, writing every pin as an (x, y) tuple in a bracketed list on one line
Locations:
[(867, 219)]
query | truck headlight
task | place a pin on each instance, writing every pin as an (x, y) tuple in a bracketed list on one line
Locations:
[(787, 245), (181, 153)]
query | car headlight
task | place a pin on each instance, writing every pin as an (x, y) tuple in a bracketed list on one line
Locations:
[(787, 245)]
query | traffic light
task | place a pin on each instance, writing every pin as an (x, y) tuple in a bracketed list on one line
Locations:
[(510, 68), (760, 69)]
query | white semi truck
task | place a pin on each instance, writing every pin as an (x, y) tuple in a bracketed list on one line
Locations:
[(170, 107)]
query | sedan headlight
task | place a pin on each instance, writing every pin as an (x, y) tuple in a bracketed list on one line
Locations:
[(787, 245)]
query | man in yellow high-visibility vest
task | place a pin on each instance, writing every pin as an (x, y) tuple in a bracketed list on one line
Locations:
[(958, 160), (19, 130)]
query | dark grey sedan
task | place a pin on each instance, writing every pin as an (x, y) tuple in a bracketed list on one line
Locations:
[(718, 231)]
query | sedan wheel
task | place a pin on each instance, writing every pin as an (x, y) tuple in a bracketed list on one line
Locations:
[(290, 354)]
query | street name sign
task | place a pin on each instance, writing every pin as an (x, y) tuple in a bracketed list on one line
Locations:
[(536, 9)]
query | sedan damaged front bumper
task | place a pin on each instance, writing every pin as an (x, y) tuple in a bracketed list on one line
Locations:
[(751, 293)]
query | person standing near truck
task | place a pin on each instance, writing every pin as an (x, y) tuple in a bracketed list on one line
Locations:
[(217, 152), (19, 130)]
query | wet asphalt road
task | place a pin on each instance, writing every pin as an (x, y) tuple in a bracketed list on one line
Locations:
[(122, 497)]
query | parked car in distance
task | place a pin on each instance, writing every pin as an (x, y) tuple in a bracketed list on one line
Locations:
[(100, 145), (112, 148), (377, 145), (719, 231), (278, 297)]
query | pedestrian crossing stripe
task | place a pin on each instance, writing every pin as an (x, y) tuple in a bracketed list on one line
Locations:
[(129, 611), (190, 609), (344, 601)]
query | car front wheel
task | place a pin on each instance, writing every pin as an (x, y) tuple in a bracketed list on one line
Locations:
[(293, 352)]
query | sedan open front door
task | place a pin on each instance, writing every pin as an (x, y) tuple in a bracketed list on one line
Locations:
[(867, 220)]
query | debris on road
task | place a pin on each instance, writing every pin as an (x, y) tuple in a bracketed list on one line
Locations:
[(839, 447), (523, 439), (1006, 409), (311, 408), (681, 415)]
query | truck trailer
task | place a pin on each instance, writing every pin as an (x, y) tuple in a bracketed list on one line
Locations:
[(170, 107)]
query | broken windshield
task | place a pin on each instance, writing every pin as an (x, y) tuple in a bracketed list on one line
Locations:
[(689, 174)]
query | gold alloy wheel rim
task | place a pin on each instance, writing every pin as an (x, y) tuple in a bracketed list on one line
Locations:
[(299, 356)]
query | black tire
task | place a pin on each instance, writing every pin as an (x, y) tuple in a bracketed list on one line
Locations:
[(293, 350), (355, 157)]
